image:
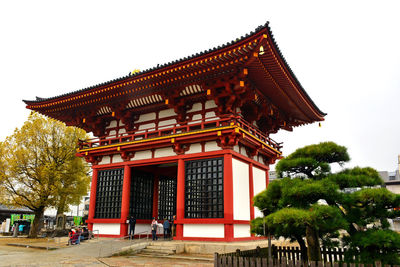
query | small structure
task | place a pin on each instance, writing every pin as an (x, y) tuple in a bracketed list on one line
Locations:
[(9, 214), (189, 138), (392, 183)]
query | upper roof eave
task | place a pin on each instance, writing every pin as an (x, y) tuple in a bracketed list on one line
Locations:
[(205, 53), (263, 29)]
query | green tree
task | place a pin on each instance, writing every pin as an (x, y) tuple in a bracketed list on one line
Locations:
[(353, 199), (312, 161), (39, 169)]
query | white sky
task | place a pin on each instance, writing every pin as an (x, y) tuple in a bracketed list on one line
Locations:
[(346, 54)]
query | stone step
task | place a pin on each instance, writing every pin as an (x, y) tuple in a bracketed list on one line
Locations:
[(176, 256), (161, 247), (157, 251)]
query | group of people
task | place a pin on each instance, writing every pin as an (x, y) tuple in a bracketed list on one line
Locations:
[(75, 236), (168, 226)]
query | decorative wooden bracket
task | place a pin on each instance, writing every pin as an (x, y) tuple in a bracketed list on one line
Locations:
[(179, 104), (228, 141), (268, 161), (126, 156), (228, 94), (94, 160), (180, 149), (127, 117), (251, 151)]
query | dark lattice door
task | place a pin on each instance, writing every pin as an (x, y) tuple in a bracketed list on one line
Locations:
[(141, 202), (166, 197)]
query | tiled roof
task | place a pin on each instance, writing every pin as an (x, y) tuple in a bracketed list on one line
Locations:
[(209, 51), (259, 28), (14, 209)]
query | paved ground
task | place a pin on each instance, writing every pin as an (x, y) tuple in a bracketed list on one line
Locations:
[(93, 253)]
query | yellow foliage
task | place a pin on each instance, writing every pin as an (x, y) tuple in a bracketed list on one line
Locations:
[(38, 166)]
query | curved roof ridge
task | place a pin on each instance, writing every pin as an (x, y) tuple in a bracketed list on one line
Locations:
[(159, 66), (291, 71)]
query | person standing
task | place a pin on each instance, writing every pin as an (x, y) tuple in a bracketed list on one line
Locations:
[(154, 229), (173, 226), (132, 224), (166, 226)]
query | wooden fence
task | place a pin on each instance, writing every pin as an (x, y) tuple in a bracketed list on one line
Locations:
[(234, 261), (281, 256)]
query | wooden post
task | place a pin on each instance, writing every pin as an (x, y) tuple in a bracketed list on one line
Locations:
[(92, 203), (180, 199), (126, 190), (228, 197)]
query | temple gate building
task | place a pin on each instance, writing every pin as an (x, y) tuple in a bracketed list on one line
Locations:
[(190, 138)]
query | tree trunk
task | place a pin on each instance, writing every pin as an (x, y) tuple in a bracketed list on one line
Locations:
[(60, 211), (33, 233), (61, 206), (313, 247)]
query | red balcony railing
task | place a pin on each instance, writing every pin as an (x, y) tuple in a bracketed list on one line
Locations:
[(173, 129)]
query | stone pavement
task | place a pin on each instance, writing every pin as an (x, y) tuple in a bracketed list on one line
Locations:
[(97, 252), (93, 253)]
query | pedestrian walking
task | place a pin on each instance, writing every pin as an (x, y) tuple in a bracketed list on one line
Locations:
[(132, 224), (166, 226), (154, 229)]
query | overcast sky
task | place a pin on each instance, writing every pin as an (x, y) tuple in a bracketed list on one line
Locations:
[(346, 54)]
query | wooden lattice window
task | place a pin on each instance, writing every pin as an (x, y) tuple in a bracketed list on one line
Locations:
[(109, 194), (204, 188)]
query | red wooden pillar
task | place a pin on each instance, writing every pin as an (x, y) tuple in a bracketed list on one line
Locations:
[(180, 199), (267, 177), (155, 196), (251, 191), (126, 192), (228, 197), (92, 203)]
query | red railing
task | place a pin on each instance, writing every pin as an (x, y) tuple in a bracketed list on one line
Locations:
[(172, 129)]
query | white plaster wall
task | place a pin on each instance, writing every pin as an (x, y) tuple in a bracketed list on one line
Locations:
[(107, 228), (393, 188), (146, 154), (166, 122), (120, 123), (211, 146), (197, 117), (259, 184), (204, 230), (210, 104), (117, 158), (194, 148), (147, 117), (241, 194), (105, 160), (210, 114), (112, 134), (164, 152), (236, 148), (241, 230), (141, 228), (166, 113), (147, 126), (121, 131), (112, 124), (196, 107)]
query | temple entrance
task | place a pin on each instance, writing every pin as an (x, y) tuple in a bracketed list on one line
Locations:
[(153, 191)]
